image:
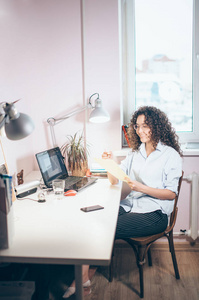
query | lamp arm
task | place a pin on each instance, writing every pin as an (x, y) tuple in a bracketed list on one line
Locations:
[(91, 97), (2, 123), (52, 130), (53, 121), (9, 112)]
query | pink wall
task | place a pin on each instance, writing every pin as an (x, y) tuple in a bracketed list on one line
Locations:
[(102, 70), (41, 63)]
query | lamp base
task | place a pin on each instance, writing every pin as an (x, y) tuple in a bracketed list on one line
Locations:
[(27, 193)]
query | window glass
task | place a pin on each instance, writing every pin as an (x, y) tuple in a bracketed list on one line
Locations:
[(163, 58)]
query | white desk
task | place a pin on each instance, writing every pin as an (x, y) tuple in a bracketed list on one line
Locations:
[(58, 232)]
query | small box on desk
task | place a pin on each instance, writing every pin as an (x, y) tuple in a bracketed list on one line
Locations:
[(6, 215)]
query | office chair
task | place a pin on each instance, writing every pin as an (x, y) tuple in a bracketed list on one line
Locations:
[(141, 246)]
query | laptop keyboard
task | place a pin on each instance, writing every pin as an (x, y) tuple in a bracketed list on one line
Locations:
[(71, 180), (82, 183)]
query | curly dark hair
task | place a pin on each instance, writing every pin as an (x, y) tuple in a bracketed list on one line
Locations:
[(161, 128)]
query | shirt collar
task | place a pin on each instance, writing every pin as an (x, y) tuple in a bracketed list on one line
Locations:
[(159, 147)]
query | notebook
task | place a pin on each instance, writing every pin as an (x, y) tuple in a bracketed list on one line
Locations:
[(52, 166)]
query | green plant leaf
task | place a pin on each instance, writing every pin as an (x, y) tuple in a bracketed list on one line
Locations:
[(75, 151)]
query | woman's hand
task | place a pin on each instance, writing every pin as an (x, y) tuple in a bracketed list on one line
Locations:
[(134, 185), (108, 155), (163, 194)]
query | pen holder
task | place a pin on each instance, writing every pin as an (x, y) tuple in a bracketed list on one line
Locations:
[(6, 218)]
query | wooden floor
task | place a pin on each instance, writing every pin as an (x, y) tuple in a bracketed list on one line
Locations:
[(159, 280)]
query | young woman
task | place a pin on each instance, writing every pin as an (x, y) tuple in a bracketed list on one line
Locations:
[(153, 168)]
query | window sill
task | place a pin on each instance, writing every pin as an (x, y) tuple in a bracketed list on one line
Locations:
[(186, 152)]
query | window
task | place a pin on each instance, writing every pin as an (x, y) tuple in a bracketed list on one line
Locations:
[(160, 60)]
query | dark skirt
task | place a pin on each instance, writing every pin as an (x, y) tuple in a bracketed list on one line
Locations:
[(132, 224)]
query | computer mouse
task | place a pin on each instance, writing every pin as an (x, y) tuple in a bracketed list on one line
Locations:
[(70, 193)]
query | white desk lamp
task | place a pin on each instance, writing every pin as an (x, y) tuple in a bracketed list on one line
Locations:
[(17, 125), (98, 115)]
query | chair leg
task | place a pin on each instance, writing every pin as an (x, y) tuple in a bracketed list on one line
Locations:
[(141, 281), (172, 250), (140, 259), (149, 257), (140, 263)]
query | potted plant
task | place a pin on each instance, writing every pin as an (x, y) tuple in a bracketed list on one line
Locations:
[(76, 154)]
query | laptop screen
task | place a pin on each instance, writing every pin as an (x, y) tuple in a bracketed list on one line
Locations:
[(51, 164)]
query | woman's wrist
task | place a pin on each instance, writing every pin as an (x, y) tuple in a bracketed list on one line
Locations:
[(113, 180)]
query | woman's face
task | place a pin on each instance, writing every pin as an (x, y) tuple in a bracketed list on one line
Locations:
[(143, 130)]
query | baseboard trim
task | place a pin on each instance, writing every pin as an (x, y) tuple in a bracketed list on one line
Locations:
[(158, 245)]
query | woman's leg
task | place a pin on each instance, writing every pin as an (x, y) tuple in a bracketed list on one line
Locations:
[(85, 276), (86, 283), (138, 224)]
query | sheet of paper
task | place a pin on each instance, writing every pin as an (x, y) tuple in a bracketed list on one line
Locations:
[(112, 167)]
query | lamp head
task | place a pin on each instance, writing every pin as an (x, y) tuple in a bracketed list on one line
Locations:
[(17, 125), (99, 114)]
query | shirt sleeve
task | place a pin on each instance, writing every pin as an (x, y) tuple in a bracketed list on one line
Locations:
[(126, 164), (172, 172)]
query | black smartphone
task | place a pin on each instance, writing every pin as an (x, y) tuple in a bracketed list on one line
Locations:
[(91, 208)]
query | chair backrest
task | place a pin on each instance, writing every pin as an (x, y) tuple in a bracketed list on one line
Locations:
[(175, 209)]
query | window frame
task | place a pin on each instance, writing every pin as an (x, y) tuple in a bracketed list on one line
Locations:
[(127, 54)]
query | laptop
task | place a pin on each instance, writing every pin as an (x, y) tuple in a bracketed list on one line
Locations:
[(52, 166)]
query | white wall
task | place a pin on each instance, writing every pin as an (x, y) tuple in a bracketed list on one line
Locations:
[(41, 63)]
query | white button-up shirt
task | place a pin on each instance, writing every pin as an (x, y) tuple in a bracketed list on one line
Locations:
[(161, 170)]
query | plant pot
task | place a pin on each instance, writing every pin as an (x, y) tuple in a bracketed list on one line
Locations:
[(79, 171)]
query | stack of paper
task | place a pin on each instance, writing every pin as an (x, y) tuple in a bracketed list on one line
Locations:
[(98, 170)]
